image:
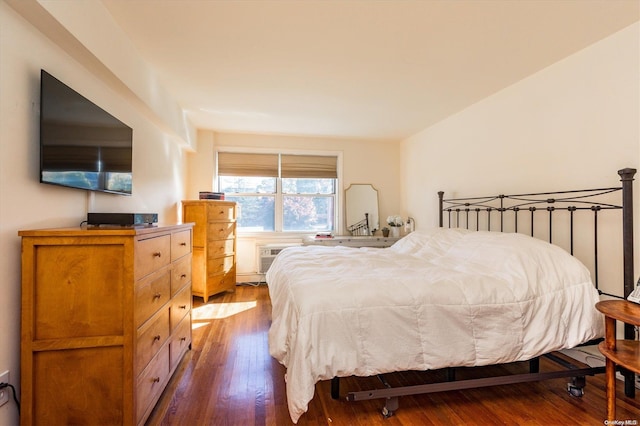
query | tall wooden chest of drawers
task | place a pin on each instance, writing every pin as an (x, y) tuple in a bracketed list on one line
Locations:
[(214, 245), (106, 318)]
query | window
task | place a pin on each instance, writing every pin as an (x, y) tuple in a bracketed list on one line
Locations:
[(280, 192)]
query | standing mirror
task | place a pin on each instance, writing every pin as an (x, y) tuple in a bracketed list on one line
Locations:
[(361, 205)]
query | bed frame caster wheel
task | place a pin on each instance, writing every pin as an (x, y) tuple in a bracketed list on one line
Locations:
[(390, 407), (576, 387), (386, 413), (575, 391)]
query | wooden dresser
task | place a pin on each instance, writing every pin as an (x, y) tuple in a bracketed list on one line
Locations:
[(214, 245), (106, 318)]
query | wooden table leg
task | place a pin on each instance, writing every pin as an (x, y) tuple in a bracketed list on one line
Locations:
[(610, 374)]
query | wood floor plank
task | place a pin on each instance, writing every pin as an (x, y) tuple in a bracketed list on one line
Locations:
[(229, 378)]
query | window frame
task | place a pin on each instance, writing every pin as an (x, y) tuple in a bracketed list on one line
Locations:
[(279, 196)]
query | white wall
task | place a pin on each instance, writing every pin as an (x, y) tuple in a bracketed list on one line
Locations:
[(201, 165), (158, 164), (374, 162), (569, 126)]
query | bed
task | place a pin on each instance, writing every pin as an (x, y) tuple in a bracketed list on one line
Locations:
[(438, 298)]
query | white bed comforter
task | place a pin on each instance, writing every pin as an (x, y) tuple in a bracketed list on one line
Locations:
[(439, 298)]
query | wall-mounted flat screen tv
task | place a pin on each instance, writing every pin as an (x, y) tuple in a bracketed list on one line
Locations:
[(82, 145)]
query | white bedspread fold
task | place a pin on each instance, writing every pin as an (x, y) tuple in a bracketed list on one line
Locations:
[(438, 298)]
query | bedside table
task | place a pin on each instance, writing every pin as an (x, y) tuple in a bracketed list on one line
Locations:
[(625, 353)]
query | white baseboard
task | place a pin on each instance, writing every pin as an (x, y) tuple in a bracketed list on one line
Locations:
[(250, 278)]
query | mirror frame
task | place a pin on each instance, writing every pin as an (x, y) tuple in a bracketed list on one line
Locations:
[(370, 205)]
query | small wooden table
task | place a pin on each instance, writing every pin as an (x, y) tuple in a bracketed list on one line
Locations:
[(625, 353)]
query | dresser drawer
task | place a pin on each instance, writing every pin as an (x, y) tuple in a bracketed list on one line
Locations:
[(220, 231), (152, 254), (181, 274), (221, 213), (180, 341), (180, 244), (223, 280), (180, 306), (219, 248), (151, 382), (151, 293), (150, 339), (220, 264)]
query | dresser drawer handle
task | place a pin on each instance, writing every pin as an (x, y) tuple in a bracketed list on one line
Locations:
[(183, 276), (156, 337), (157, 296), (157, 254), (183, 244), (182, 306), (183, 339), (155, 380)]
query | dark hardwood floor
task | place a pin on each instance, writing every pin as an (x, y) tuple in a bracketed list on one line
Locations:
[(228, 378)]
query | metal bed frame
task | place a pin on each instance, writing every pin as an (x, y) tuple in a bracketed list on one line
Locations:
[(360, 228), (461, 212)]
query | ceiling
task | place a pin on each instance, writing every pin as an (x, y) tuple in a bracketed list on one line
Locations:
[(356, 69)]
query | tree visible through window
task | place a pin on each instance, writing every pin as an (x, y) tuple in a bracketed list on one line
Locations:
[(303, 201)]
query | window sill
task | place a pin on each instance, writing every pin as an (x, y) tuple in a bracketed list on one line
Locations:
[(275, 235)]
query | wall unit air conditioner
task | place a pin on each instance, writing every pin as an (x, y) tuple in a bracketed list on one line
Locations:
[(267, 253)]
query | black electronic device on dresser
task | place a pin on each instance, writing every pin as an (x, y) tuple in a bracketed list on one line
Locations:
[(122, 219)]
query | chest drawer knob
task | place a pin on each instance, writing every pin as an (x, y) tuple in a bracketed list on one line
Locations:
[(156, 337), (156, 380), (157, 296), (157, 254), (182, 306)]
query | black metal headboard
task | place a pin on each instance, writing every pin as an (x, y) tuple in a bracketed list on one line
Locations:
[(477, 213)]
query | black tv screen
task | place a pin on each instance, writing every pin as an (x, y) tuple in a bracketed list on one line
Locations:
[(82, 145)]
